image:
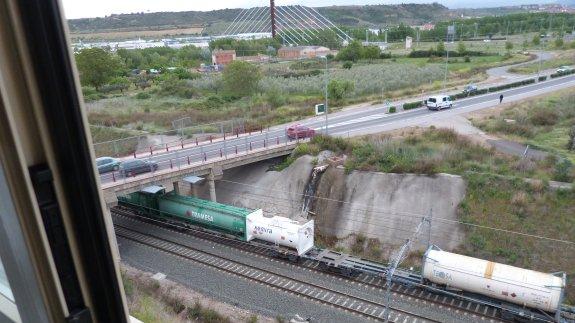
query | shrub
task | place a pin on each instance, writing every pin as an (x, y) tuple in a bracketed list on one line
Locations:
[(558, 74), (544, 117), (412, 105), (347, 65), (338, 89), (143, 96), (392, 110), (571, 143), (477, 241), (213, 101), (519, 199), (542, 78), (357, 247), (563, 171)]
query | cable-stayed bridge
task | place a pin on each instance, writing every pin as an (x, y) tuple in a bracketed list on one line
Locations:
[(294, 24)]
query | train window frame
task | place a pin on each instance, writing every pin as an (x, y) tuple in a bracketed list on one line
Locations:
[(43, 125), (15, 257)]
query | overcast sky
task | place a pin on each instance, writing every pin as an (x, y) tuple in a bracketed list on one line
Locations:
[(100, 8)]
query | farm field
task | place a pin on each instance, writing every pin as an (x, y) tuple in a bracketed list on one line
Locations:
[(286, 92), (134, 34)]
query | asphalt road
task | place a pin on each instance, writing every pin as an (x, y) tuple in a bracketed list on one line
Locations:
[(349, 123), (503, 71)]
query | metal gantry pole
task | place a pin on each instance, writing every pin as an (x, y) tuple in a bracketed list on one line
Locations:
[(326, 86), (446, 63), (401, 255)]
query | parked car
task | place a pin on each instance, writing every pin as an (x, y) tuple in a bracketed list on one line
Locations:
[(470, 88), (107, 164), (298, 131), (564, 69), (439, 102), (137, 166)]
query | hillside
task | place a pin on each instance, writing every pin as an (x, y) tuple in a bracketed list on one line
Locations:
[(378, 15), (373, 15)]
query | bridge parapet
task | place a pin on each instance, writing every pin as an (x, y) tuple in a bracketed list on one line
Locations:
[(166, 177)]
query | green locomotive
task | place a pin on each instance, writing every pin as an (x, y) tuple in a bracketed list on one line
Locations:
[(153, 201)]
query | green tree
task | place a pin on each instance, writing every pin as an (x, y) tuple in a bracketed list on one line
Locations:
[(440, 48), (338, 89), (97, 66), (508, 46), (461, 49), (241, 78), (120, 83), (370, 52), (536, 40), (351, 52)]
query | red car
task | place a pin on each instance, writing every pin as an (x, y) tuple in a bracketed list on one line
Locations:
[(297, 131)]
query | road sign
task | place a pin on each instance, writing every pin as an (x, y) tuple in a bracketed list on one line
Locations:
[(319, 109)]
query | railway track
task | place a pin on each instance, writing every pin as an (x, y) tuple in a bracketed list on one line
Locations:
[(458, 305), (354, 304)]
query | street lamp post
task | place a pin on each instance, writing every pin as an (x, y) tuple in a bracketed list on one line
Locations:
[(326, 76)]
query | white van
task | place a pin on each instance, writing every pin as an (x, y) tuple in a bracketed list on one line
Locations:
[(439, 102)]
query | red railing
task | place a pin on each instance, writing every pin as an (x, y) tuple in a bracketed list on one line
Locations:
[(196, 141), (175, 160)]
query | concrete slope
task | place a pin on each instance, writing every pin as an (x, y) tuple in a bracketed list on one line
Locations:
[(255, 186), (389, 206)]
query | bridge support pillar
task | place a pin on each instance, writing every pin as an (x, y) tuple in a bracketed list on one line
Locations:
[(212, 184), (177, 187)]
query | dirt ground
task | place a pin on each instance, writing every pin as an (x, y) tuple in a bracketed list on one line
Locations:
[(235, 314)]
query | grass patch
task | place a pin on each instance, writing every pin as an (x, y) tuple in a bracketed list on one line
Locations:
[(431, 152), (103, 137), (511, 204), (543, 123), (150, 302)]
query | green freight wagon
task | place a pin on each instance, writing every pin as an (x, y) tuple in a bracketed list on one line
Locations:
[(210, 215)]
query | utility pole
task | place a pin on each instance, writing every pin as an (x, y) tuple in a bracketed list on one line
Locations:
[(476, 25), (326, 85), (429, 227)]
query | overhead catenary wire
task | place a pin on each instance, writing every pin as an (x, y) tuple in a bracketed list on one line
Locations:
[(413, 214), (381, 223)]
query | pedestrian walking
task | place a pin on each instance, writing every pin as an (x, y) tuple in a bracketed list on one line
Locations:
[(500, 98)]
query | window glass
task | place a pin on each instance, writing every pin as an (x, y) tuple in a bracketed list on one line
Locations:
[(432, 100), (4, 285)]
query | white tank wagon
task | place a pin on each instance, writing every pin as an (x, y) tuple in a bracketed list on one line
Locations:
[(281, 231), (516, 285)]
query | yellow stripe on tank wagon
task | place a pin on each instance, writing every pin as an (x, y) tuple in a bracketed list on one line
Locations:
[(489, 270)]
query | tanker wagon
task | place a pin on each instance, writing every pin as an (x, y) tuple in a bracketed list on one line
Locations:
[(243, 224), (527, 288)]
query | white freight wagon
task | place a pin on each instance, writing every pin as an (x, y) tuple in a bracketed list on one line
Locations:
[(525, 287), (281, 231)]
